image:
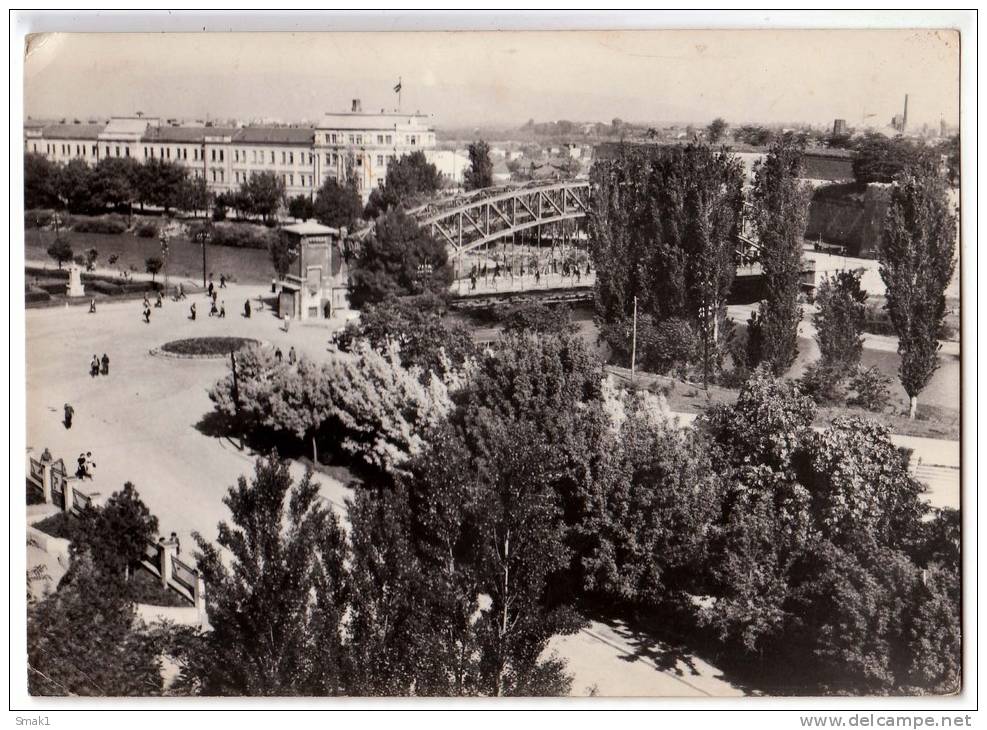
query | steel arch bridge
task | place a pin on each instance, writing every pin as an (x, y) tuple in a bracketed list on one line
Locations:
[(471, 222)]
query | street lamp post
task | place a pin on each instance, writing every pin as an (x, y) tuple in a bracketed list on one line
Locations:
[(165, 250)]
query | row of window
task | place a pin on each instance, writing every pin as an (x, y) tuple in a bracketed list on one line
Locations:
[(257, 156), (287, 178), (381, 139)]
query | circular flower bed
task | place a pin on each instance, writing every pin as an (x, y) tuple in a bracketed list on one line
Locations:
[(206, 346)]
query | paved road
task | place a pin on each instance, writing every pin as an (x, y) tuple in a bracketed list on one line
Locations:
[(140, 421)]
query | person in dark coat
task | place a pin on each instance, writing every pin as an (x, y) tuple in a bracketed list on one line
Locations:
[(105, 360), (292, 357), (222, 310), (69, 412), (94, 367), (277, 354), (246, 309), (192, 312)]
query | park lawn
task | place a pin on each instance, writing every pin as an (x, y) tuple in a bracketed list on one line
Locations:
[(244, 265)]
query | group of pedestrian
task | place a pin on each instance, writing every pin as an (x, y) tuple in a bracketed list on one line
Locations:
[(99, 366), (292, 355), (87, 467)]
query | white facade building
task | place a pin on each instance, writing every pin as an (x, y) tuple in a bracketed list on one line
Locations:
[(450, 163), (225, 157)]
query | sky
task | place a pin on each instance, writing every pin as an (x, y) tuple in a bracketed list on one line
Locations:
[(503, 78)]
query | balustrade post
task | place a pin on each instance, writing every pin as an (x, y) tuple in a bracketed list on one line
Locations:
[(46, 480), (68, 494), (167, 550)]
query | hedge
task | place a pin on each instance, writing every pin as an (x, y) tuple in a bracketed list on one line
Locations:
[(38, 218), (111, 225), (240, 237), (147, 230)]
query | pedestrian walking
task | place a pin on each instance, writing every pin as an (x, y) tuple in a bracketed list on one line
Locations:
[(215, 296), (222, 310), (192, 312), (159, 302), (246, 309), (212, 309), (222, 281), (92, 306), (274, 286), (292, 357), (94, 367), (181, 291), (147, 314), (287, 322), (69, 412), (209, 290), (277, 354), (105, 361)]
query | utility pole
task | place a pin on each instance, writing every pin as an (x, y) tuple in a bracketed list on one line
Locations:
[(236, 394), (634, 343)]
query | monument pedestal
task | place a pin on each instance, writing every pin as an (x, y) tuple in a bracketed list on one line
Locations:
[(74, 287)]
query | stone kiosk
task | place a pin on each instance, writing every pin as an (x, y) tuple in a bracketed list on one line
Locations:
[(316, 286)]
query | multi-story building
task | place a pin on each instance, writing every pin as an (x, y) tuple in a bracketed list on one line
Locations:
[(350, 143)]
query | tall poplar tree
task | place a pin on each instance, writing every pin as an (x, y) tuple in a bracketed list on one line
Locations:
[(780, 204), (917, 255)]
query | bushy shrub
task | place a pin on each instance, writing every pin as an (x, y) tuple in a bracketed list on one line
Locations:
[(870, 387), (538, 318), (38, 218), (673, 344), (823, 383), (104, 287), (663, 346), (112, 225), (240, 236), (34, 294), (147, 230), (877, 321)]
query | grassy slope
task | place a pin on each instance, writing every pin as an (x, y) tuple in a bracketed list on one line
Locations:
[(249, 266)]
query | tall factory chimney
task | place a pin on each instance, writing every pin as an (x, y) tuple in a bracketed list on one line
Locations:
[(904, 118)]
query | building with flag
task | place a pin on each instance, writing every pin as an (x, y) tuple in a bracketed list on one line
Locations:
[(355, 142)]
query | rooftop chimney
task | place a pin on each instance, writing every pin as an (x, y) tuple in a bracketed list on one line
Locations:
[(356, 105)]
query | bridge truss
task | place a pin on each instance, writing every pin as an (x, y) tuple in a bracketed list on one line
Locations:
[(475, 223), (531, 228)]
